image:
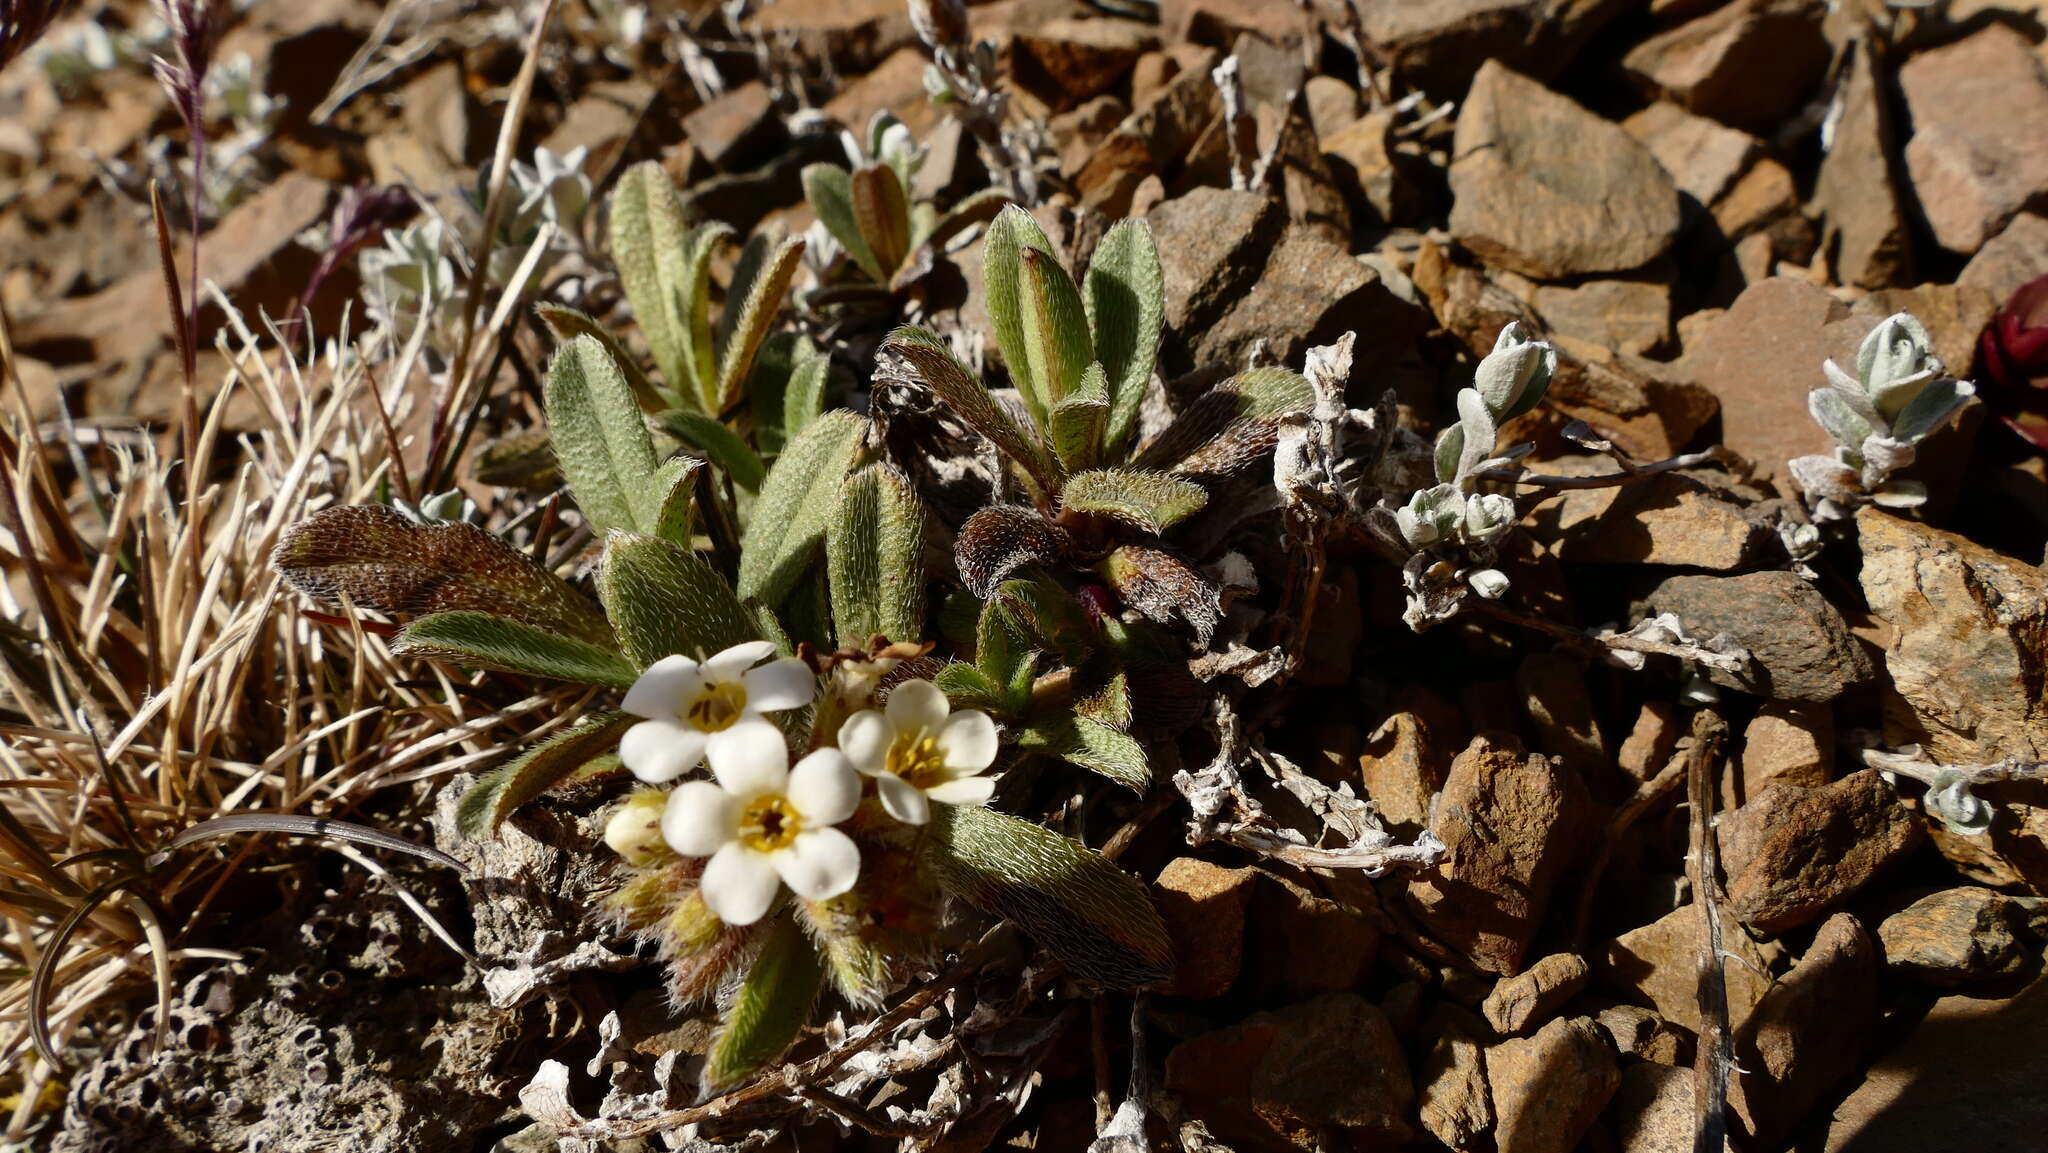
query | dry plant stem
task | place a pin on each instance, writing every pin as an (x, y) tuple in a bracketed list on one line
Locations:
[(1928, 772), (1600, 480), (1714, 1060)]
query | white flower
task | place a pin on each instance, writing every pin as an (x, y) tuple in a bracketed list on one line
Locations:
[(711, 709), (764, 825), (919, 754)]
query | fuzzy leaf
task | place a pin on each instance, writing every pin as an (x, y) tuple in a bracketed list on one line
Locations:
[(690, 269), (829, 189), (1224, 431), (648, 226), (788, 521), (874, 545), (772, 1007), (970, 401), (1163, 586), (745, 272), (377, 558), (485, 804), (676, 480), (882, 212), (1091, 744), (1931, 408), (978, 208), (719, 444), (755, 318), (787, 388), (1480, 432), (663, 599), (567, 324), (998, 540), (1125, 294), (1004, 655), (1055, 327), (1153, 501), (482, 641), (967, 686), (1011, 233), (601, 438), (1079, 420), (1093, 916), (1833, 412)]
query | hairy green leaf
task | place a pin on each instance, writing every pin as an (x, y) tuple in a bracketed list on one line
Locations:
[(676, 480), (377, 558), (1125, 294), (1055, 327), (719, 444), (1093, 916), (964, 393), (829, 189), (967, 686), (1091, 744), (567, 324), (874, 545), (485, 804), (1004, 655), (482, 641), (787, 389), (788, 521), (1079, 420), (1153, 501), (1162, 587), (883, 214), (664, 599), (1012, 233), (773, 1004), (1227, 429), (755, 318), (1000, 539), (648, 224), (601, 438), (691, 271)]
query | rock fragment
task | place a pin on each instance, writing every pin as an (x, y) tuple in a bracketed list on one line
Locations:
[(1979, 107)]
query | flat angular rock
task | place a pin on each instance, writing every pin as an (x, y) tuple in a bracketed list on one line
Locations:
[(1545, 188), (1535, 995), (1955, 936), (1302, 944), (1866, 234), (1703, 156), (1547, 1089), (1509, 820), (1979, 108), (1323, 1071), (1794, 853), (1404, 761), (1751, 63), (2018, 254), (1809, 1032), (1203, 906), (1785, 741), (1067, 62), (1673, 519), (1209, 246), (736, 129), (1660, 963), (1802, 648), (1456, 1105), (1653, 1110)]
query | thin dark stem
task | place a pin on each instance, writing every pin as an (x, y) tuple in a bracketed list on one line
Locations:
[(1715, 1058)]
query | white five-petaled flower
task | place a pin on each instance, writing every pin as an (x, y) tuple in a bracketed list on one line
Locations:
[(711, 709), (918, 753), (765, 825)]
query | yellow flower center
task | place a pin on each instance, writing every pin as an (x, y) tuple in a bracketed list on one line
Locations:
[(915, 757), (769, 823), (717, 707)]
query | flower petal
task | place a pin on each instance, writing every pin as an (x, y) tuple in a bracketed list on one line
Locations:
[(735, 661), (820, 863), (699, 819), (963, 791), (750, 758), (739, 884), (968, 742), (823, 788), (901, 799), (660, 750), (784, 684), (865, 739), (664, 689), (916, 705)]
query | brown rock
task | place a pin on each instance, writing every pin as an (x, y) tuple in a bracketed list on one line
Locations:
[(1560, 708), (1660, 963), (738, 128), (1703, 156), (1802, 648), (1404, 763), (1786, 741), (1323, 1071), (852, 35), (1650, 743), (1508, 820), (1151, 73), (1760, 197), (1979, 107), (1956, 936), (1436, 45), (1535, 995), (2018, 253), (1761, 358), (1641, 1033), (1653, 1110), (1866, 234), (1203, 906), (1076, 133), (896, 86), (1456, 1104), (1219, 23), (1302, 944), (1161, 130), (1067, 62), (1379, 181), (1673, 519), (1547, 1089), (1638, 404), (1787, 1067), (1629, 316), (1813, 848), (1751, 63), (1332, 106), (1547, 189), (1209, 244), (1307, 186)]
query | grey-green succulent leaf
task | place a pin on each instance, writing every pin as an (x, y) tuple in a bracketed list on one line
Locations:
[(1933, 406), (1093, 916), (788, 521), (771, 1008), (1894, 361), (497, 793), (1152, 501), (1514, 376), (664, 599), (874, 547), (1125, 295), (1838, 418), (481, 641), (600, 437)]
